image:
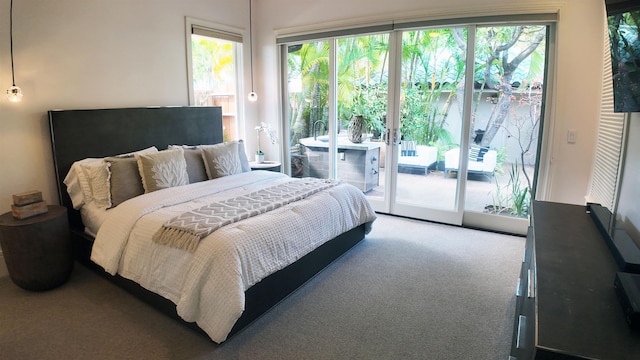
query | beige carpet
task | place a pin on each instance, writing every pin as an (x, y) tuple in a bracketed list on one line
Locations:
[(411, 290)]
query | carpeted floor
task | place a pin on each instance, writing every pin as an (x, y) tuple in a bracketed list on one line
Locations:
[(410, 290)]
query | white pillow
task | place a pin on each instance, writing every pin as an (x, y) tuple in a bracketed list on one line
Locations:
[(79, 184), (74, 188), (88, 180), (163, 169), (96, 174)]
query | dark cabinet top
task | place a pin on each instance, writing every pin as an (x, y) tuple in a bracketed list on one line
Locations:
[(578, 312)]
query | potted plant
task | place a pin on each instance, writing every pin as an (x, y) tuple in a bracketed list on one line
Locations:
[(368, 112), (266, 128)]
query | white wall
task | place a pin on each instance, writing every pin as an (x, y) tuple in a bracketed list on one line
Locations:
[(96, 53), (89, 54)]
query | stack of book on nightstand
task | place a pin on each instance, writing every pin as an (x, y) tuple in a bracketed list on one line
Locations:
[(28, 204)]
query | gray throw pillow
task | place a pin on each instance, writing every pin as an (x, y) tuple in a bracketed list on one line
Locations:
[(221, 159), (125, 179), (195, 165)]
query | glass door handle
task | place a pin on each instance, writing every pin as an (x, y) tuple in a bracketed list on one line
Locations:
[(387, 136)]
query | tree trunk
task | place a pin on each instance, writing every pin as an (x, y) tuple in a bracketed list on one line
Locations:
[(505, 89), (503, 106)]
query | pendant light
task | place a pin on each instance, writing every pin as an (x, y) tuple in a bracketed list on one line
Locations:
[(252, 95), (13, 93)]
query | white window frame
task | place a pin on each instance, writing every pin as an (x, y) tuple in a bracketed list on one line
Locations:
[(224, 32)]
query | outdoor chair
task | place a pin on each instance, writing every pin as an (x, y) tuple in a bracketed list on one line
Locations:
[(416, 159), (482, 160)]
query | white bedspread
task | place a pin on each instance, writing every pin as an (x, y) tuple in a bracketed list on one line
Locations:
[(208, 285)]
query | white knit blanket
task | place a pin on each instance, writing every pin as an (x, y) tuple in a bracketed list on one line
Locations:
[(186, 231)]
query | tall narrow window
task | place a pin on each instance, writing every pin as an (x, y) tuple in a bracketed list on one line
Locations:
[(214, 68)]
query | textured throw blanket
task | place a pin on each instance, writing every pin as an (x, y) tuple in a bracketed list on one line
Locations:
[(186, 231)]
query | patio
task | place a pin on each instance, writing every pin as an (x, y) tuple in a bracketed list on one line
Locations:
[(435, 190)]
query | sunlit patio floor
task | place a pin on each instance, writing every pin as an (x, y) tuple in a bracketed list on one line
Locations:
[(435, 190)]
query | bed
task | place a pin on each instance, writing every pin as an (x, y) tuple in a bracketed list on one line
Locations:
[(271, 252)]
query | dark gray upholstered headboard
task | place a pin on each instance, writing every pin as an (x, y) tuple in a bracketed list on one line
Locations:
[(79, 134)]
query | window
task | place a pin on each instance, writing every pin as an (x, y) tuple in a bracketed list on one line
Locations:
[(214, 67)]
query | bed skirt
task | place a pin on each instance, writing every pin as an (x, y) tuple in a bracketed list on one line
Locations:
[(258, 299)]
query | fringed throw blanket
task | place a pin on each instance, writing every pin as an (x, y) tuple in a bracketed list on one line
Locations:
[(186, 231)]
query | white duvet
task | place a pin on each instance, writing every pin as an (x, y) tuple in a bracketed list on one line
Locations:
[(208, 285)]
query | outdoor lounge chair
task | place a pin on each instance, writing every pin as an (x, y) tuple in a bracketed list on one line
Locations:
[(481, 161), (416, 159)]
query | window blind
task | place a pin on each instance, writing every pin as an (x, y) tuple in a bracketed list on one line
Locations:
[(605, 177), (408, 25), (214, 33)]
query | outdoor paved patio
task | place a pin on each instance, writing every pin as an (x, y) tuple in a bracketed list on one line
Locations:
[(435, 190)]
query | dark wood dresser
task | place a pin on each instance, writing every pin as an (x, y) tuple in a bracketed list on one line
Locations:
[(566, 305)]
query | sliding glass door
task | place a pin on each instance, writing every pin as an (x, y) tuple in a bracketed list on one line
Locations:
[(308, 109), (430, 118), (322, 136), (507, 105), (437, 123)]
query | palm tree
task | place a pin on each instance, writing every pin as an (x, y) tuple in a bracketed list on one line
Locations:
[(432, 67), (210, 71), (361, 70), (310, 64)]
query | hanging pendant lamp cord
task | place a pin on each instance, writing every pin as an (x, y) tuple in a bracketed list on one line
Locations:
[(13, 77), (250, 42)]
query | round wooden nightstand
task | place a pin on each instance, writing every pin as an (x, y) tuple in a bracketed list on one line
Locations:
[(267, 165), (37, 250)]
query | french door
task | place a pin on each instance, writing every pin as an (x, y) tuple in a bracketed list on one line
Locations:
[(426, 117), (451, 119)]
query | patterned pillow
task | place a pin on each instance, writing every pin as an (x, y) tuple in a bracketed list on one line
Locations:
[(163, 169), (221, 159), (476, 153), (473, 153)]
